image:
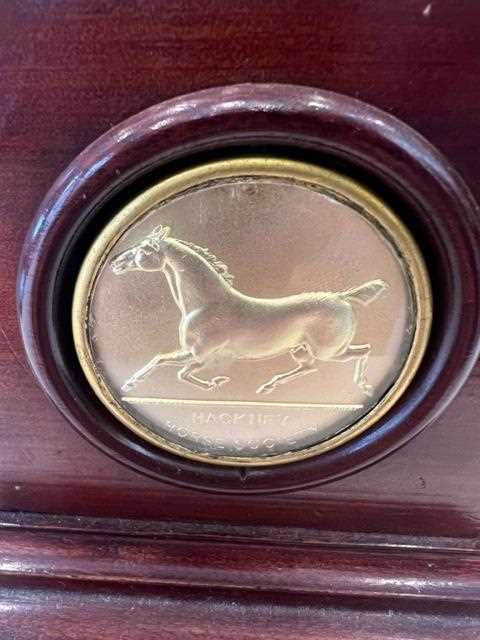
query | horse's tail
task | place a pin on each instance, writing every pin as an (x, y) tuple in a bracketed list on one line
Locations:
[(365, 293)]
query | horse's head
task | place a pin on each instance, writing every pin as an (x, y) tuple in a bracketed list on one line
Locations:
[(147, 255)]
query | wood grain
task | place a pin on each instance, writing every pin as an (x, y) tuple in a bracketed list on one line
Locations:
[(70, 577), (85, 612), (370, 571)]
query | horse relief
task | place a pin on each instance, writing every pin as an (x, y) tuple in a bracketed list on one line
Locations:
[(220, 324)]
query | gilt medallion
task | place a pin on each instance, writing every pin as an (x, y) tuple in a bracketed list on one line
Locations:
[(253, 311)]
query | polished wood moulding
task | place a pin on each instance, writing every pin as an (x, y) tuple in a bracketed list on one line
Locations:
[(164, 574)]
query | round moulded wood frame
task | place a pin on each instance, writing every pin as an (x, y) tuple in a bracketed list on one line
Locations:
[(430, 197)]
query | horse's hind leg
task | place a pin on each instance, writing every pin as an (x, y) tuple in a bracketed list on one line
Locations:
[(173, 358), (359, 353), (301, 354), (187, 375)]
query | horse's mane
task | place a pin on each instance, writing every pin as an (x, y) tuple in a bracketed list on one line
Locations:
[(220, 267)]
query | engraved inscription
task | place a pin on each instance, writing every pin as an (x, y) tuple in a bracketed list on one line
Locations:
[(219, 323), (238, 418), (218, 445)]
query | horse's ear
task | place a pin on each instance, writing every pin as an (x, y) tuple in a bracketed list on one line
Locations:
[(160, 232)]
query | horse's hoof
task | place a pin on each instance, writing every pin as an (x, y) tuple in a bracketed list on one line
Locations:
[(219, 381), (367, 389), (266, 388)]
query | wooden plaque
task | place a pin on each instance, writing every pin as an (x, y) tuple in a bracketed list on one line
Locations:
[(104, 534)]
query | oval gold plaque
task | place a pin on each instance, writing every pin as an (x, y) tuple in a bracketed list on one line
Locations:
[(252, 312)]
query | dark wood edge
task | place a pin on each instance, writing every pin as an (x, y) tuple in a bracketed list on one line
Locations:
[(435, 204), (81, 610), (188, 559), (364, 514), (277, 535), (125, 579)]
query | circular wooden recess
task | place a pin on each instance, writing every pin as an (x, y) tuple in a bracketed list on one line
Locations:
[(324, 128)]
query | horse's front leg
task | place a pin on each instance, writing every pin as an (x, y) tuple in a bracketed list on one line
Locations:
[(174, 358)]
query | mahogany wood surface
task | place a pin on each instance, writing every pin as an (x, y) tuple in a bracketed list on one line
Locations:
[(68, 72), (89, 612)]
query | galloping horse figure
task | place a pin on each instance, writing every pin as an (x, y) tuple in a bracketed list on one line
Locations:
[(220, 324)]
